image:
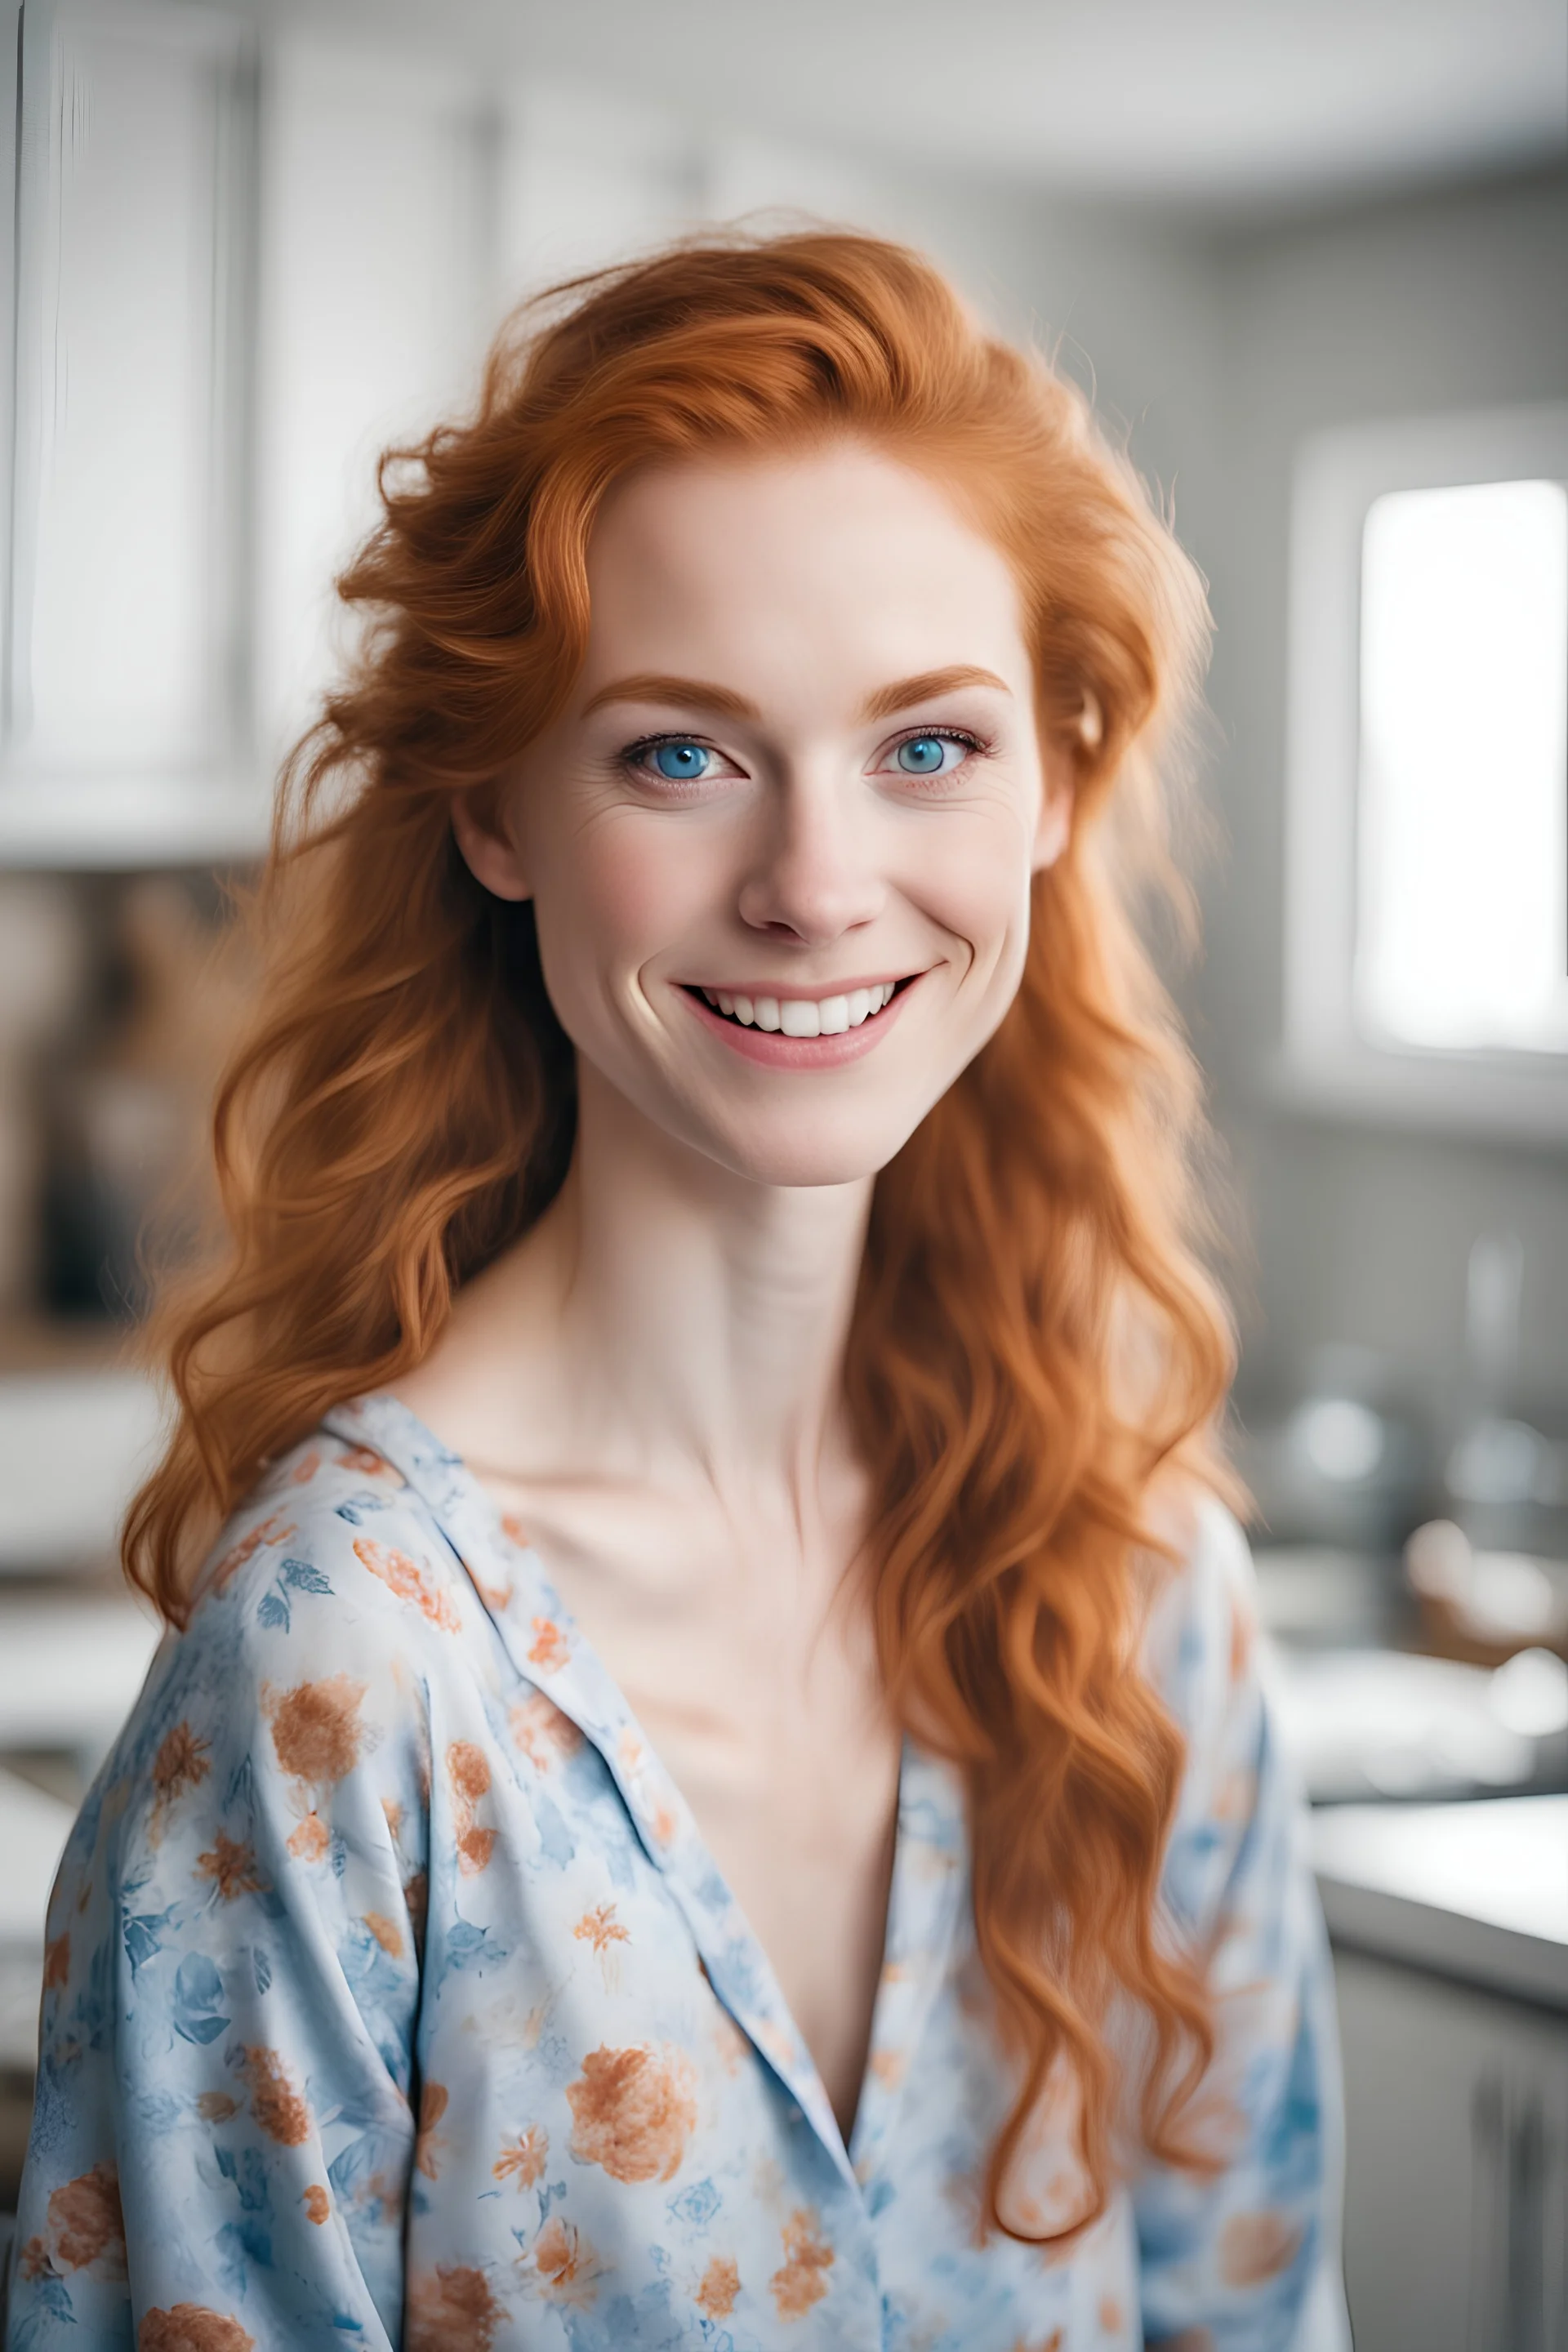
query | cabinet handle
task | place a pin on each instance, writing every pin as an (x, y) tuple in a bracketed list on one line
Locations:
[(1514, 2152)]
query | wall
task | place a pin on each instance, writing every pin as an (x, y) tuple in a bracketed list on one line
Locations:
[(1361, 1236)]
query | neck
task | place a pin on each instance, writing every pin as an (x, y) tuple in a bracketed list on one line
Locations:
[(670, 1321)]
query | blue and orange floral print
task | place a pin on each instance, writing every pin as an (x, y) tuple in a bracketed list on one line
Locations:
[(391, 1998)]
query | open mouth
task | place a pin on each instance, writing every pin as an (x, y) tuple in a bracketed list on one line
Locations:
[(803, 1016)]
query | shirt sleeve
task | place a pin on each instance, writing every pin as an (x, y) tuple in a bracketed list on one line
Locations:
[(1246, 2259), (222, 2134)]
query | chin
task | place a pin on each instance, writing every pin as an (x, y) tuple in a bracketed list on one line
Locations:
[(824, 1153)]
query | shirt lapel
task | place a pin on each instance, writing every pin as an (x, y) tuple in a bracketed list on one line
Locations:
[(549, 1649), (923, 1908)]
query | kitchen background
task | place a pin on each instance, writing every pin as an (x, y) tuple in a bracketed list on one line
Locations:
[(1311, 259)]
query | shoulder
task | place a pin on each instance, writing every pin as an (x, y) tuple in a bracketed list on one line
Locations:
[(1201, 1612), (327, 1612), (333, 1505), (1200, 1642)]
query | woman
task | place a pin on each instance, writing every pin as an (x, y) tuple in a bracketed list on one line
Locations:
[(713, 1789)]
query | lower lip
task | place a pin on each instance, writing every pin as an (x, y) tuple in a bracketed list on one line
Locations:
[(771, 1047)]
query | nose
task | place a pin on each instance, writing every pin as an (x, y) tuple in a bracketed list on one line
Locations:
[(813, 876)]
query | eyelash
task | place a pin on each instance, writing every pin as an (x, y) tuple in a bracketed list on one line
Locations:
[(633, 753)]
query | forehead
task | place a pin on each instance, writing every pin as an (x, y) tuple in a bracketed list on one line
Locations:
[(839, 558)]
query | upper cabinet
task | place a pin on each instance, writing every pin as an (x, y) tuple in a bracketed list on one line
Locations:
[(250, 258), (127, 687)]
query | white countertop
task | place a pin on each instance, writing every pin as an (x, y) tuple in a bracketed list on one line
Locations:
[(74, 1444), (1477, 1890), (33, 1829), (72, 1667)]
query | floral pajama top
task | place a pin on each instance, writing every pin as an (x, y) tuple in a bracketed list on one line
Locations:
[(391, 1998)]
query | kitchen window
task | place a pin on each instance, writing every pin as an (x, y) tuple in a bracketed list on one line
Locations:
[(1427, 884)]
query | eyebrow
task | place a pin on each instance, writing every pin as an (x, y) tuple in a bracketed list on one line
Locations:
[(685, 693), (695, 693), (905, 692)]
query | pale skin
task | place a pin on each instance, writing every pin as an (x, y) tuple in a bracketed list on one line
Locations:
[(650, 1380)]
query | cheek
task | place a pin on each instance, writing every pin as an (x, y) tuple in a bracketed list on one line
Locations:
[(972, 877), (620, 892)]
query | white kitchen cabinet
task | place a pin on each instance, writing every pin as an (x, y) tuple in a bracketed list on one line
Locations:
[(252, 253), (376, 195), (1450, 1929), (126, 630), (1457, 2172)]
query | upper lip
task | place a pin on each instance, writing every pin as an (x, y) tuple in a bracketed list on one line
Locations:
[(799, 991)]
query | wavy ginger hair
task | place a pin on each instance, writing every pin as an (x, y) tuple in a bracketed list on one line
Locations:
[(1033, 1348)]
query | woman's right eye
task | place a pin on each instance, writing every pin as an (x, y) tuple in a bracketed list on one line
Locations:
[(681, 762), (674, 760)]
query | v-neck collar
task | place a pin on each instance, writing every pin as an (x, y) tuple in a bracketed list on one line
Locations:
[(549, 1649)]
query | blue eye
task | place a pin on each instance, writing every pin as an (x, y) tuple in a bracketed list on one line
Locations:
[(923, 755), (682, 763)]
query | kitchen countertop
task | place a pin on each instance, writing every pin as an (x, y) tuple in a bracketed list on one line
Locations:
[(1476, 1891)]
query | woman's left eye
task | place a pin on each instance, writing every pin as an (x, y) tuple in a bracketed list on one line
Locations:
[(933, 755)]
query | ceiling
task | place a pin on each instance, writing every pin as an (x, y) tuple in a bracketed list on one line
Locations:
[(1213, 103)]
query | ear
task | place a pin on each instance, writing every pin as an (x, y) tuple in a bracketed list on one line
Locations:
[(488, 848), (1053, 828)]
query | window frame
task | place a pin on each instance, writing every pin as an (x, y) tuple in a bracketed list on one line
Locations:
[(1325, 1062)]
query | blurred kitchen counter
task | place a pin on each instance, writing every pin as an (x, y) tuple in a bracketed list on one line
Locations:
[(1477, 1892), (1450, 1933)]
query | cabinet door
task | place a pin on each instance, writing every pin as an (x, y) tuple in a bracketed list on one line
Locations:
[(375, 202), (124, 653), (1456, 2183)]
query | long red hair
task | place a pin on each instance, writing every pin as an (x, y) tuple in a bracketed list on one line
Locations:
[(1034, 1349)]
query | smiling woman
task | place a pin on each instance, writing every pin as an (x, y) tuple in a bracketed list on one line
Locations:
[(721, 1778)]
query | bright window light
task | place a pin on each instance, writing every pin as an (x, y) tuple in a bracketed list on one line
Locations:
[(1462, 915)]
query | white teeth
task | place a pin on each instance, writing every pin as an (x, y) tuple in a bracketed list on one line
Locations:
[(803, 1016)]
